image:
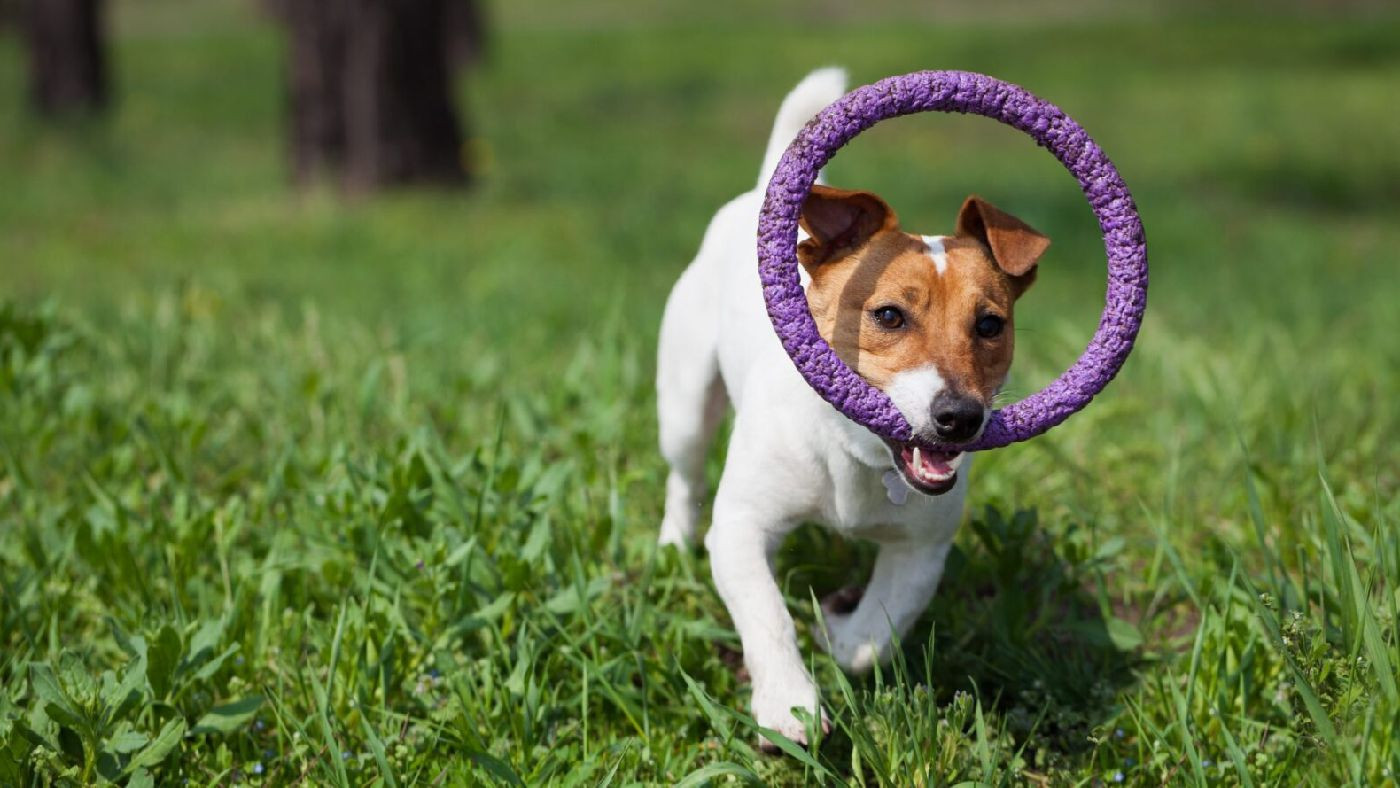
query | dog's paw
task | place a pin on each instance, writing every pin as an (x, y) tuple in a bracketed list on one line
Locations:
[(773, 708), (674, 535), (677, 530), (671, 538), (841, 637), (854, 653)]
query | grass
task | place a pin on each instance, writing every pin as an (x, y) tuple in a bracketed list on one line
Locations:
[(301, 489)]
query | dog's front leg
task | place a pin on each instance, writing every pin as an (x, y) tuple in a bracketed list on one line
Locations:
[(905, 578), (740, 552)]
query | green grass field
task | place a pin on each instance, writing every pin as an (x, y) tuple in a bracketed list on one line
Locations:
[(302, 490)]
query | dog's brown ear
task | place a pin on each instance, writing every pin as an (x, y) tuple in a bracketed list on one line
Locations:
[(839, 221), (1016, 246)]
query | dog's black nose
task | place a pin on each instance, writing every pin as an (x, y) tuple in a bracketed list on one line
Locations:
[(956, 418)]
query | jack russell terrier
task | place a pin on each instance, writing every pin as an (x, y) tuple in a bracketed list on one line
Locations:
[(925, 318)]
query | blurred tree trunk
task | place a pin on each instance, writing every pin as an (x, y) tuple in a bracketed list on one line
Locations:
[(67, 56), (316, 77), (371, 89)]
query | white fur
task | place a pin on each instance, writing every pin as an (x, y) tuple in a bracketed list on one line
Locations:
[(912, 391), (810, 96), (937, 252), (792, 458)]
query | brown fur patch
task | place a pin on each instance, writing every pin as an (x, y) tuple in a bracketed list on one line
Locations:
[(1016, 247)]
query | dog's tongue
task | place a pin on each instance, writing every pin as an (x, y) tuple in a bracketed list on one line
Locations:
[(931, 466)]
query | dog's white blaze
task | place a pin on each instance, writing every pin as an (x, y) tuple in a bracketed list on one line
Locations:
[(937, 252), (912, 391)]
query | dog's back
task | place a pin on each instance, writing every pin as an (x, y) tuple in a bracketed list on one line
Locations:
[(715, 327)]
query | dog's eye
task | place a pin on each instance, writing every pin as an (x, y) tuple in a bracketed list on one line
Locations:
[(990, 326), (887, 317)]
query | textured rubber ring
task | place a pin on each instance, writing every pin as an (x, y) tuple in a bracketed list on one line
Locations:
[(978, 94)]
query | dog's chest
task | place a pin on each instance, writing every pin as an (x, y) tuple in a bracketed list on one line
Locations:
[(858, 504)]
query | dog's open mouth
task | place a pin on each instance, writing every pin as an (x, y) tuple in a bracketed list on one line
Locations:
[(927, 471)]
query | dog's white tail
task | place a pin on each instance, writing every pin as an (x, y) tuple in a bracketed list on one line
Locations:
[(812, 94)]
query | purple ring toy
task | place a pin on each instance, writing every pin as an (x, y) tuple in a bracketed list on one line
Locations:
[(964, 92)]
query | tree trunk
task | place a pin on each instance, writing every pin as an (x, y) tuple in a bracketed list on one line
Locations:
[(67, 58), (371, 91), (316, 76)]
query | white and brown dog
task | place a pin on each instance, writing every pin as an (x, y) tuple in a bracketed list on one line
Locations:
[(925, 318)]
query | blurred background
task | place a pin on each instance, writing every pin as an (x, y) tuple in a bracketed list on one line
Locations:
[(576, 149), (495, 181), (345, 291)]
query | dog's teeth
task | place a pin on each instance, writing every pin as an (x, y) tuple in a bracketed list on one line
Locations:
[(918, 461)]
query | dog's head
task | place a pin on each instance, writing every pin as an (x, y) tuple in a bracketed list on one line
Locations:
[(926, 319)]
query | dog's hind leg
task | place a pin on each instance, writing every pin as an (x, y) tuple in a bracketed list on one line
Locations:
[(690, 400)]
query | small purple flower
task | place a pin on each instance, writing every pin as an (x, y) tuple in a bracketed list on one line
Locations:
[(345, 756), (258, 768), (435, 673), (1128, 763), (1118, 733), (421, 566), (1118, 777), (1207, 763), (259, 725)]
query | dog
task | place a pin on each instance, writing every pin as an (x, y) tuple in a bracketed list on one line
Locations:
[(925, 318)]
